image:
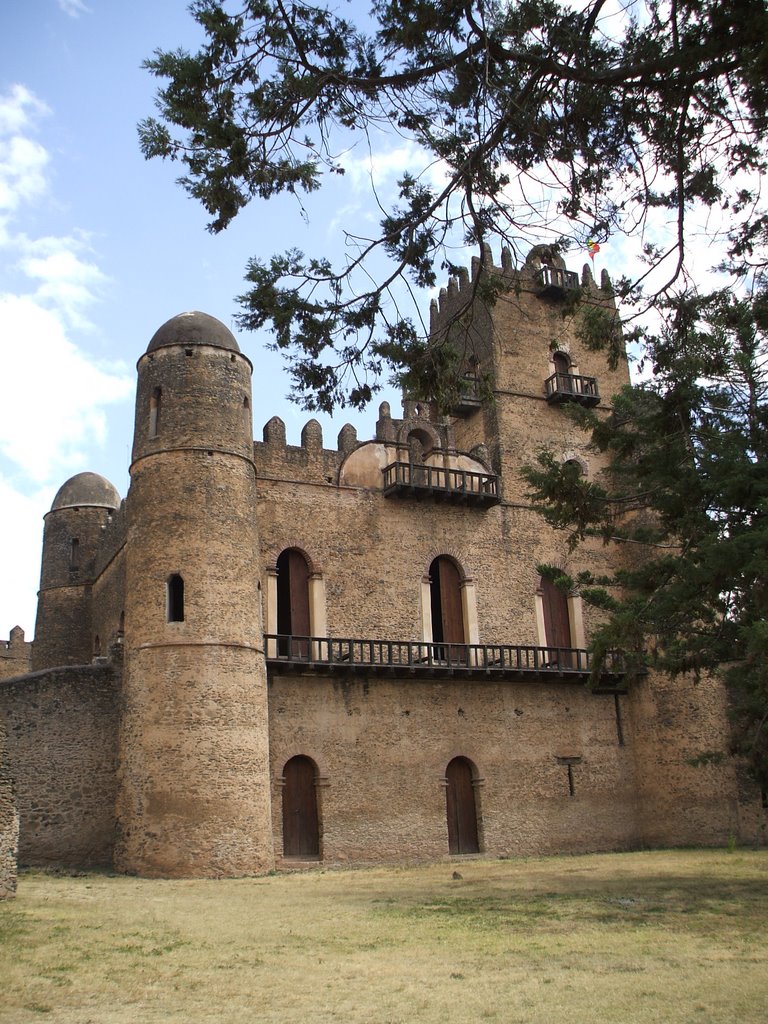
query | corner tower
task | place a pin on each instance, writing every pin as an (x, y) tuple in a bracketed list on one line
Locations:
[(193, 794), (71, 538)]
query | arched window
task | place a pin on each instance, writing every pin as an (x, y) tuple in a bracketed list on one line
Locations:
[(175, 598), (293, 618), (74, 553), (301, 831), (154, 412), (447, 611), (97, 646), (461, 808)]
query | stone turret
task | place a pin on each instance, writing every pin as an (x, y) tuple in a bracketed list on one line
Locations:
[(193, 781), (71, 538)]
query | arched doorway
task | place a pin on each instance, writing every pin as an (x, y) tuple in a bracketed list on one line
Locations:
[(461, 809), (293, 602), (301, 833), (447, 611)]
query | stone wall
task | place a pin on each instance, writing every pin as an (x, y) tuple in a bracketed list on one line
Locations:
[(61, 727), (9, 826), (15, 654), (381, 747)]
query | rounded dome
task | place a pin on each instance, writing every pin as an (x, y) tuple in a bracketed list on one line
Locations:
[(86, 489), (193, 329)]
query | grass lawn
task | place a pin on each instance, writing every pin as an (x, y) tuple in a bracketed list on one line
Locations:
[(663, 937)]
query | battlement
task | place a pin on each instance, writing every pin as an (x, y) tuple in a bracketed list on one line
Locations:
[(543, 272)]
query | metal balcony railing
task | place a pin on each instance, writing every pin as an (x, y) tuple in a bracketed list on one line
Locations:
[(417, 658), (406, 479), (570, 387)]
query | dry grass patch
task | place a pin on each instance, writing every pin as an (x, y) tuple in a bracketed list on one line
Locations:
[(632, 938)]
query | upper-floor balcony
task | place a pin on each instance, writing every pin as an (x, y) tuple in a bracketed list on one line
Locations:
[(571, 387), (460, 486), (421, 659), (556, 282), (469, 398)]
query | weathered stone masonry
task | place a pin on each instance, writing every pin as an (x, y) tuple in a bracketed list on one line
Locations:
[(272, 654)]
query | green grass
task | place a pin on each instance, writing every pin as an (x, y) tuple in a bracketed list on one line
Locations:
[(636, 938)]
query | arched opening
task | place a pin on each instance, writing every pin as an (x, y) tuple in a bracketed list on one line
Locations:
[(154, 412), (562, 362), (74, 553), (557, 626), (97, 646), (293, 619), (175, 598), (461, 808), (447, 612), (301, 830)]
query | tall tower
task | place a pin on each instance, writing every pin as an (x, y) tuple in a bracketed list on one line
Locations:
[(73, 532), (193, 795)]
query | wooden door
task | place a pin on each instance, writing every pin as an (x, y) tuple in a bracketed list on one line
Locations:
[(293, 600), (301, 835), (557, 625), (447, 612), (460, 808)]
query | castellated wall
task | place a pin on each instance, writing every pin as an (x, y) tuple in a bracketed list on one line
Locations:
[(15, 654), (61, 728)]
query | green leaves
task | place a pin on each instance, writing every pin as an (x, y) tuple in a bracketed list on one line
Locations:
[(685, 497), (612, 117)]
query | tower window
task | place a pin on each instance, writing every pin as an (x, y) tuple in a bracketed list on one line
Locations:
[(74, 553), (154, 412), (175, 598)]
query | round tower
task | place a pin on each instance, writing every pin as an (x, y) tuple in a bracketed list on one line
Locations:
[(194, 796), (71, 538)]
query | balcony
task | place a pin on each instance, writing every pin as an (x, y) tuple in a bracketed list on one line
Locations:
[(569, 387), (288, 654), (556, 283), (469, 399), (458, 486)]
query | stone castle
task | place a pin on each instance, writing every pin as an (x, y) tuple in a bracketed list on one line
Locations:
[(268, 655)]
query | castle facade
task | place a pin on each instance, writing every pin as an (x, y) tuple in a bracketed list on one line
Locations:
[(269, 655)]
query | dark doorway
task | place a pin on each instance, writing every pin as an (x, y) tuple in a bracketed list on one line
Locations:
[(293, 603), (447, 614), (301, 834), (557, 625), (461, 809)]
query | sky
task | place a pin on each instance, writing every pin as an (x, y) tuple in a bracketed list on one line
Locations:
[(99, 248)]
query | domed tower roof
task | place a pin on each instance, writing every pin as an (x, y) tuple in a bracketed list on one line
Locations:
[(86, 489), (193, 329)]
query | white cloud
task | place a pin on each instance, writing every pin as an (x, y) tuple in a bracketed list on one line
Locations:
[(74, 8), (23, 513), (68, 282), (56, 395)]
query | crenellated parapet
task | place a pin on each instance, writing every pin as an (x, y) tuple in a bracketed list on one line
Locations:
[(543, 273)]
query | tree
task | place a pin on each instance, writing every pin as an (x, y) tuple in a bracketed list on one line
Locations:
[(687, 489), (610, 111)]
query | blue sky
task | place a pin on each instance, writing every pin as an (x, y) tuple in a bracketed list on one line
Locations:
[(98, 248)]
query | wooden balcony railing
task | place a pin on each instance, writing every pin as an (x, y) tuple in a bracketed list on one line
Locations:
[(556, 282), (569, 387), (416, 658), (469, 399), (406, 479)]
